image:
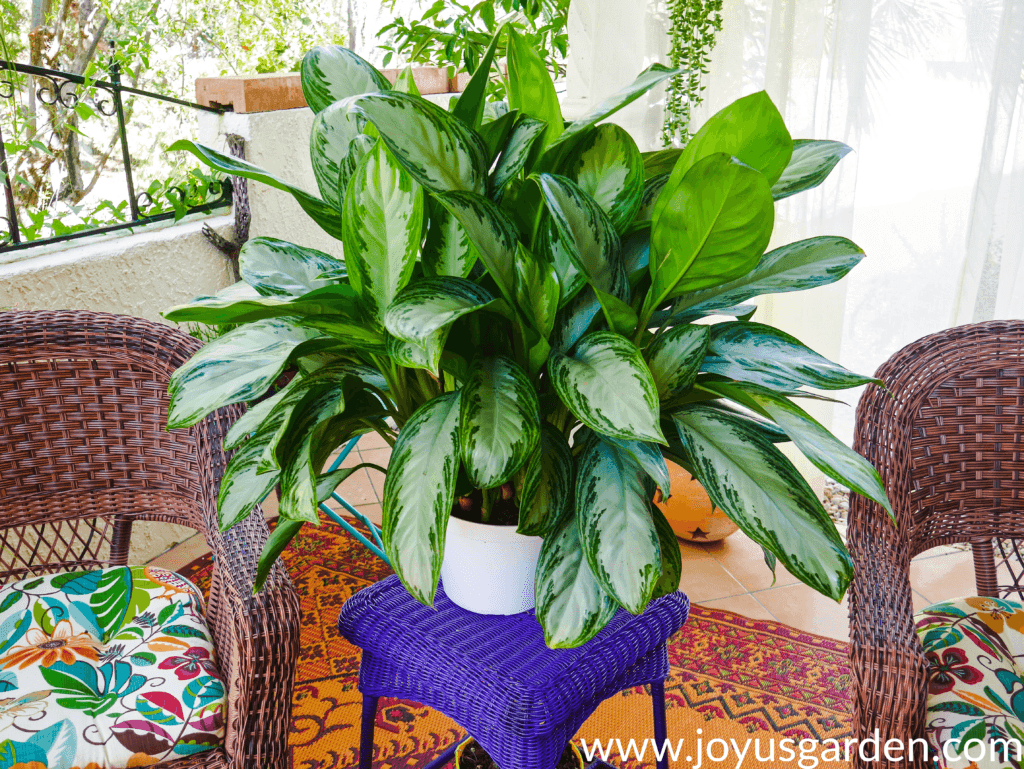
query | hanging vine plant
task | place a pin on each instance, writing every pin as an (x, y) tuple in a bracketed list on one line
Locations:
[(693, 25)]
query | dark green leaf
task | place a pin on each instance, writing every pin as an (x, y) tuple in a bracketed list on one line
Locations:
[(546, 490)]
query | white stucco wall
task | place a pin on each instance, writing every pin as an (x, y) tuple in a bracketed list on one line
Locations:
[(136, 274)]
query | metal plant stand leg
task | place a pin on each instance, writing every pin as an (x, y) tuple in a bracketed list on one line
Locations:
[(660, 729), (366, 732)]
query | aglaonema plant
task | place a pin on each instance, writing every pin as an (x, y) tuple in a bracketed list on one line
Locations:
[(533, 313)]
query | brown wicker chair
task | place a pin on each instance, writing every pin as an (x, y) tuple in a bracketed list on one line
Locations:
[(948, 440), (84, 452)]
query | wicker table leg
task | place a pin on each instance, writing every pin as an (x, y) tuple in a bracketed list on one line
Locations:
[(366, 732), (660, 728)]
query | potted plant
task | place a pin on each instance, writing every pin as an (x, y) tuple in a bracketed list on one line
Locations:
[(523, 313)]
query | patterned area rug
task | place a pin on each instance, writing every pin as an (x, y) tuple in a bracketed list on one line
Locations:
[(732, 678)]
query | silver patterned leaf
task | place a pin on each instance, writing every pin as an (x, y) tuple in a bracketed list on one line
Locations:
[(571, 605), (616, 529), (383, 225), (760, 354), (419, 492), (760, 490), (609, 388), (440, 151), (499, 422), (330, 73)]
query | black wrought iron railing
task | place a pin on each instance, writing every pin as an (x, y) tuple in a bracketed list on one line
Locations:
[(65, 90)]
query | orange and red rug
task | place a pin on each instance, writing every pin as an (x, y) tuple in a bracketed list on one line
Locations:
[(732, 678)]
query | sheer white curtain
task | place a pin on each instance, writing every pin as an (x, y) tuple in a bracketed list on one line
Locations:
[(928, 92)]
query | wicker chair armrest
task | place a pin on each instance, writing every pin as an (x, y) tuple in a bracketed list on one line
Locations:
[(886, 658), (257, 638)]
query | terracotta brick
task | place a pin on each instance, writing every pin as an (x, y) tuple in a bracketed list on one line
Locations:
[(428, 79), (252, 93), (458, 83)]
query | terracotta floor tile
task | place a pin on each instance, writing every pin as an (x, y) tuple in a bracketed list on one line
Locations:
[(375, 456), (705, 579), (806, 609), (938, 579), (744, 604), (744, 560), (358, 489), (373, 512), (372, 441)]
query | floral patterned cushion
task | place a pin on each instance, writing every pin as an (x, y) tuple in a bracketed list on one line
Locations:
[(106, 669), (975, 651)]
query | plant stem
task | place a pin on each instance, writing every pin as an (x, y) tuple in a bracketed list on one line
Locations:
[(487, 506)]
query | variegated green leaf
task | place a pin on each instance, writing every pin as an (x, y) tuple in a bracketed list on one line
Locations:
[(671, 556), (330, 73), (243, 485), (571, 605), (336, 144), (530, 87), (233, 368), (383, 227), (810, 165), (616, 530), (425, 355), (491, 231), (606, 164), (228, 307), (660, 162), (750, 129), (277, 268), (433, 303), (546, 490), (496, 133), (715, 228), (649, 198), (321, 212), (419, 492), (609, 388), (583, 242), (448, 249), (577, 317), (537, 290), (322, 400), (499, 421), (753, 352), (644, 82), (675, 357), (406, 82), (826, 452), (761, 491), (794, 267), (254, 416), (650, 459), (517, 151), (283, 533), (438, 149)]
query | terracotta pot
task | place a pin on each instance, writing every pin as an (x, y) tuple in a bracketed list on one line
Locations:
[(690, 510), (469, 741)]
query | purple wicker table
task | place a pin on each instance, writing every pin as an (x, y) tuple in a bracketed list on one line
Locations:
[(494, 676)]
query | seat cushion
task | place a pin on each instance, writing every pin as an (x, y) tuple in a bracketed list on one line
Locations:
[(494, 675), (975, 652), (106, 669)]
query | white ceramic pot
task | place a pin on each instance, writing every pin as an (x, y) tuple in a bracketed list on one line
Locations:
[(489, 569)]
